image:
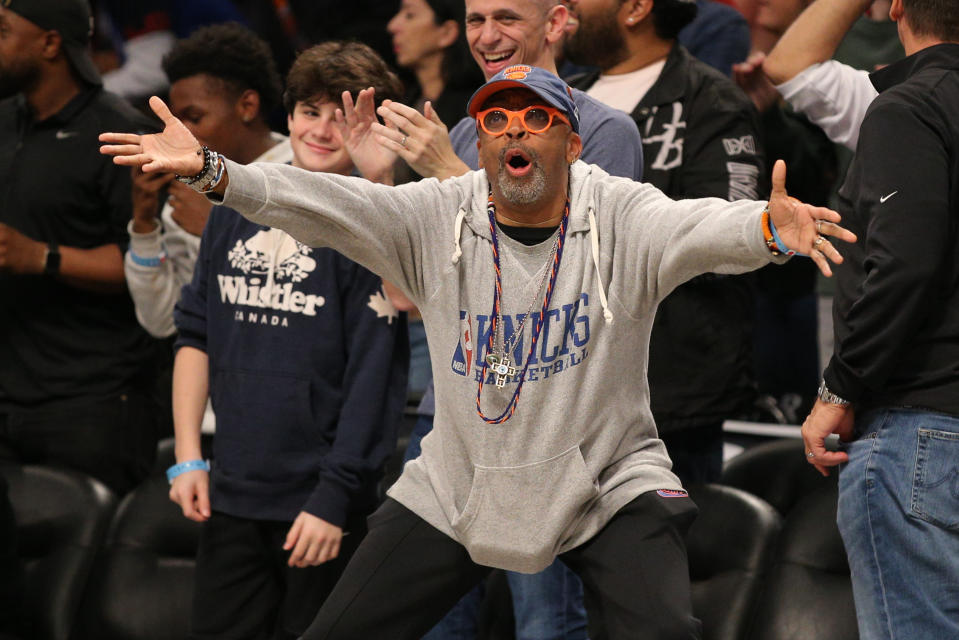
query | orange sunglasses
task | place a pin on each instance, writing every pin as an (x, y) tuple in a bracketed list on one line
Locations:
[(535, 119)]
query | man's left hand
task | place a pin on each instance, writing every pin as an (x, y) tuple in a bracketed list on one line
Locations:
[(803, 227), (825, 419), (20, 254), (313, 541)]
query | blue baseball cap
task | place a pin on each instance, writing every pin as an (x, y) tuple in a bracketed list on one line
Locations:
[(546, 85)]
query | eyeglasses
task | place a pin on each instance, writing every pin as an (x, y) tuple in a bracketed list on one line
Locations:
[(535, 119)]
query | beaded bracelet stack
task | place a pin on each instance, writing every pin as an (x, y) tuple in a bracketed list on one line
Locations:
[(774, 243), (209, 176)]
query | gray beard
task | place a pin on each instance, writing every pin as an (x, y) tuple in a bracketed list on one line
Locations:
[(526, 190)]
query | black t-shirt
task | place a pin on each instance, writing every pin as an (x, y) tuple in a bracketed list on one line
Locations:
[(57, 342), (528, 235)]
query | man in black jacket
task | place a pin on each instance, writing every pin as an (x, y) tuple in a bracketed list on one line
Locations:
[(892, 388), (700, 138)]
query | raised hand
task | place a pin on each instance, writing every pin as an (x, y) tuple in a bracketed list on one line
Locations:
[(174, 150), (355, 122), (421, 139), (804, 227)]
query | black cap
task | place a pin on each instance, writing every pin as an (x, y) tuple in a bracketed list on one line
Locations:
[(74, 22)]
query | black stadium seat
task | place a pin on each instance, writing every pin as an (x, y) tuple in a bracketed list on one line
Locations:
[(62, 517), (142, 587), (730, 546), (808, 593)]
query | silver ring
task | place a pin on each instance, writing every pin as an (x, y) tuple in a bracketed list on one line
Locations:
[(810, 455), (818, 226), (818, 242), (403, 142)]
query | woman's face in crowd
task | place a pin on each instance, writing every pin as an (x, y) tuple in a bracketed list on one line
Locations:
[(416, 36), (205, 106), (317, 143)]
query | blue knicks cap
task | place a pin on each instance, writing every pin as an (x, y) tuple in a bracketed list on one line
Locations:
[(546, 85)]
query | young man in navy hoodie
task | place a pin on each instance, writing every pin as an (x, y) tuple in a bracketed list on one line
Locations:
[(305, 361)]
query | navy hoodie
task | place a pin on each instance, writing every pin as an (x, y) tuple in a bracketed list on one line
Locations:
[(308, 364)]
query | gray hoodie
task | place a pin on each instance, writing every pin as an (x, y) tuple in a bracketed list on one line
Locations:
[(548, 479)]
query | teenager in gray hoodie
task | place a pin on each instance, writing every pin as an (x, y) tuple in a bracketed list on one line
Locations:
[(536, 451)]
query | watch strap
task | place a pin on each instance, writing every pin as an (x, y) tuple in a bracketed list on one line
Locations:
[(51, 260), (829, 397)]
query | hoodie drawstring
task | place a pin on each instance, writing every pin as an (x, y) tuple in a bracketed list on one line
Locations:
[(594, 245), (593, 241), (457, 232)]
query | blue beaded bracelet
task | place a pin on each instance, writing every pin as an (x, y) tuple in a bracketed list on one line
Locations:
[(183, 467)]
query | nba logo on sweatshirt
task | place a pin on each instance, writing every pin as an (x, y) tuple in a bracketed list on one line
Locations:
[(463, 356)]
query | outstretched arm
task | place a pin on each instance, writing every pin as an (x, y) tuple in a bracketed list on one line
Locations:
[(813, 37), (381, 227)]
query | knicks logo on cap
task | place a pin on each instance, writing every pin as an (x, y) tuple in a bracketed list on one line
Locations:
[(517, 72)]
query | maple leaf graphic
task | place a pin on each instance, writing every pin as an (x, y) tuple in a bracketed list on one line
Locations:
[(382, 306)]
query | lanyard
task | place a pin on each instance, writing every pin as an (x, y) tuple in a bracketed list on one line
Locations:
[(501, 365)]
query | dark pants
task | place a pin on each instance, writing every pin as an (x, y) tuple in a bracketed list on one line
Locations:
[(244, 587), (113, 439), (407, 574)]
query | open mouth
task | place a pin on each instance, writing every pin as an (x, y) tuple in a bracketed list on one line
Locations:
[(497, 59), (517, 162)]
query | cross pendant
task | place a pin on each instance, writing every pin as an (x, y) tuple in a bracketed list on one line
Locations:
[(501, 368)]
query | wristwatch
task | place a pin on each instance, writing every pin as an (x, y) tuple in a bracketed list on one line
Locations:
[(829, 397), (51, 260)]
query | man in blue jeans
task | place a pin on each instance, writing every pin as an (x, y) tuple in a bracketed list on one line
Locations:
[(892, 388)]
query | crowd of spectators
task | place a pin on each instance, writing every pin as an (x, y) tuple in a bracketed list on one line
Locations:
[(94, 257)]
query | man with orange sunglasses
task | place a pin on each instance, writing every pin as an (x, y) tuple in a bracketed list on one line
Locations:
[(543, 444)]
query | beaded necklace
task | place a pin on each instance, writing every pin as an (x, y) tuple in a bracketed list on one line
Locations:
[(501, 366)]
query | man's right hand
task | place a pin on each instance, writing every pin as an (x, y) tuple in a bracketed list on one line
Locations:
[(175, 150), (191, 490), (146, 198)]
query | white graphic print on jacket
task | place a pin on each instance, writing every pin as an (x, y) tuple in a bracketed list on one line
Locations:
[(272, 263)]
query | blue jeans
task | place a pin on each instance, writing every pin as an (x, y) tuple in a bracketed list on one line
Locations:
[(899, 519), (547, 605)]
